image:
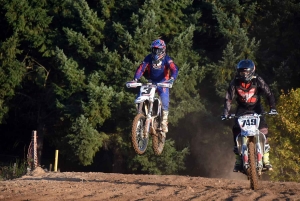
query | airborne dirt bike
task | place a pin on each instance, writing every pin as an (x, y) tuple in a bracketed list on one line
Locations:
[(251, 146), (148, 119)]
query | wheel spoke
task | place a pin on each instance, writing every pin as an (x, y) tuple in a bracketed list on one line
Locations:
[(139, 142)]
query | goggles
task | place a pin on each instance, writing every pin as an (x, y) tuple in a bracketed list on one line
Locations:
[(157, 51)]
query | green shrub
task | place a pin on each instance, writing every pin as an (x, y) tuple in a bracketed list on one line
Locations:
[(14, 170)]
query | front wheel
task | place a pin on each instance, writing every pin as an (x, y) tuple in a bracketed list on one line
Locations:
[(253, 176), (139, 141)]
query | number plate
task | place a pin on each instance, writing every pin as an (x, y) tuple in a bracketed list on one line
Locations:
[(248, 124)]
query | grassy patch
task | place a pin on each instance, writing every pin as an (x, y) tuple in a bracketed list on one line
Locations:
[(13, 170)]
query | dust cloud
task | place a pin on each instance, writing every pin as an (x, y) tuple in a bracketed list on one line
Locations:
[(211, 148)]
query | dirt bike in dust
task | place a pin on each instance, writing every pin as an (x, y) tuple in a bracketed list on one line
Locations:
[(251, 146), (148, 119)]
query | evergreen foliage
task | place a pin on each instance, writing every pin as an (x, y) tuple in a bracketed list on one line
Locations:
[(64, 65), (233, 26), (85, 140), (277, 25), (170, 162), (11, 72)]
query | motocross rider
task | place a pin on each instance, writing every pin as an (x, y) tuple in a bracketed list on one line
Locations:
[(160, 68), (247, 87)]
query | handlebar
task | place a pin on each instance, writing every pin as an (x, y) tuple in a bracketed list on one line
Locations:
[(165, 84), (233, 116), (131, 84)]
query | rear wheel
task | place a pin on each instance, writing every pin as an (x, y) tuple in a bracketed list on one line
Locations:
[(253, 176), (139, 141), (158, 143), (158, 139)]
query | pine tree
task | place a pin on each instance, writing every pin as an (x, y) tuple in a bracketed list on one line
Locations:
[(23, 74), (276, 26), (11, 73), (234, 20), (24, 23)]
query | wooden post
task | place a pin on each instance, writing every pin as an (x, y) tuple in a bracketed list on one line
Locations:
[(56, 160), (14, 170), (35, 149)]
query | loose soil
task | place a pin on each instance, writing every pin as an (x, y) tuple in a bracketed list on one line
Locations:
[(89, 186)]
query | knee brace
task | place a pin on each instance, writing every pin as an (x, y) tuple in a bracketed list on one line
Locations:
[(267, 148)]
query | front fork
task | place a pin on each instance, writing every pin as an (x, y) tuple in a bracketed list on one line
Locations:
[(149, 123), (258, 151), (148, 120)]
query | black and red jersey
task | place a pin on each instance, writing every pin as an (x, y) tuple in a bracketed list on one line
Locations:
[(248, 94)]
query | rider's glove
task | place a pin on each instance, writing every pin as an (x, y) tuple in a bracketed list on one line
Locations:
[(224, 117), (171, 80), (131, 82), (273, 112)]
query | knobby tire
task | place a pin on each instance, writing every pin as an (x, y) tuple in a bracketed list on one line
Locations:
[(252, 167), (158, 143), (139, 143)]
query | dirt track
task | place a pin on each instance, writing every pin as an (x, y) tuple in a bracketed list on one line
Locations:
[(102, 186)]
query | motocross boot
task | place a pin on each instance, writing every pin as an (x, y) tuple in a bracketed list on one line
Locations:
[(238, 166), (266, 159), (164, 123)]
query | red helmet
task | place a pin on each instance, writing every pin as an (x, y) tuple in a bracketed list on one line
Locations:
[(158, 50)]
